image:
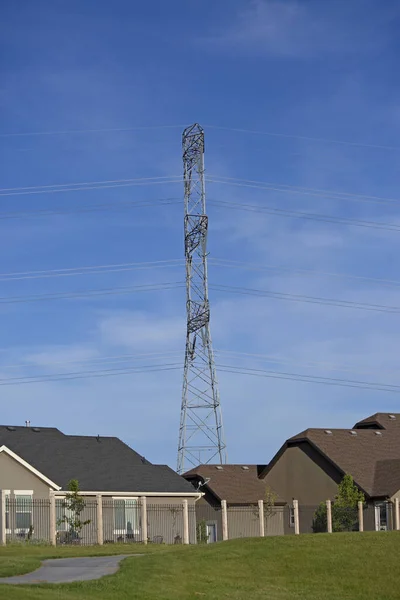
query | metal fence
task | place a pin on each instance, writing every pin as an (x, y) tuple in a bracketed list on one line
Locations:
[(27, 519), (277, 521), (306, 519), (120, 520), (243, 521), (367, 517), (68, 530), (33, 520)]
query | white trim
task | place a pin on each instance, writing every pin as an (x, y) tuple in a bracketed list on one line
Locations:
[(196, 495), (396, 495), (379, 506), (29, 494), (291, 516), (23, 462), (125, 498)]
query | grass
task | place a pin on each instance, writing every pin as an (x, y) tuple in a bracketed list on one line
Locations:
[(354, 566)]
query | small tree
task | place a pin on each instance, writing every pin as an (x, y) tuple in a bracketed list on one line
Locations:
[(75, 505), (270, 497), (344, 508), (320, 520), (201, 532)]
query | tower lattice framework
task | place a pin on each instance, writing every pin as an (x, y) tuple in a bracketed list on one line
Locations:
[(201, 436)]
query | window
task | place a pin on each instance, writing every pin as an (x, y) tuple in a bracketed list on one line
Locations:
[(126, 517), (381, 516), (291, 516), (19, 511)]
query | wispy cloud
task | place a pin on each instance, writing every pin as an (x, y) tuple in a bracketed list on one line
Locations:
[(290, 28), (141, 330)]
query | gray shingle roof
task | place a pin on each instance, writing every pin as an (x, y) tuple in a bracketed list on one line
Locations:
[(102, 464)]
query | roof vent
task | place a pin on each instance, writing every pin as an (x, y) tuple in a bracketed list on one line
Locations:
[(328, 432), (392, 417), (36, 429), (245, 468), (378, 432), (352, 432), (219, 467), (10, 428)]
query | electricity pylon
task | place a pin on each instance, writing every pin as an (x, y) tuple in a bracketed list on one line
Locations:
[(201, 436)]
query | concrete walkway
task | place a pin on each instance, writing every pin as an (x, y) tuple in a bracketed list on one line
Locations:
[(66, 570)]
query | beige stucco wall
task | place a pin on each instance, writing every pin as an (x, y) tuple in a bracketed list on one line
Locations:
[(14, 476), (297, 475)]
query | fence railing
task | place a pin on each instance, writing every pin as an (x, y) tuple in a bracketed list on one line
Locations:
[(102, 520), (105, 520)]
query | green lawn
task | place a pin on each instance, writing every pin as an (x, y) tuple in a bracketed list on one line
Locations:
[(354, 566)]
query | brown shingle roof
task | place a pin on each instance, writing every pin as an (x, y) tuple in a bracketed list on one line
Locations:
[(361, 454), (387, 477), (233, 483), (384, 420)]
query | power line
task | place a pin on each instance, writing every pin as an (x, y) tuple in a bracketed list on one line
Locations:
[(234, 181), (86, 183), (307, 299), (280, 212), (108, 359), (291, 189), (303, 137), (326, 366), (84, 187), (89, 208), (164, 355), (310, 379), (90, 293), (216, 287), (89, 374), (235, 264), (81, 131), (220, 128), (178, 262), (374, 386), (90, 270)]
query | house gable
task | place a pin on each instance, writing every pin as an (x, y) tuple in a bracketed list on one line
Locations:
[(17, 474), (301, 472)]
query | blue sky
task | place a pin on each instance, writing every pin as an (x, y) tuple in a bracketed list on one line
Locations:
[(312, 72)]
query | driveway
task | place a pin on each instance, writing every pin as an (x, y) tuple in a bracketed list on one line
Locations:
[(66, 570)]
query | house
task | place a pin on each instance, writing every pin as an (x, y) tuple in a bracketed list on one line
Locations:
[(36, 462), (310, 465), (241, 488)]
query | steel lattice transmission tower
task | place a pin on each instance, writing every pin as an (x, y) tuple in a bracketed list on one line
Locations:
[(201, 437)]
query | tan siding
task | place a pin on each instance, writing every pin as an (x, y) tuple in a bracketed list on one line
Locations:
[(299, 473), (14, 476)]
